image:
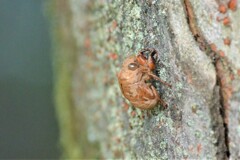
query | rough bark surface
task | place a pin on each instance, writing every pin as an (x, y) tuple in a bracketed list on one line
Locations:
[(202, 120)]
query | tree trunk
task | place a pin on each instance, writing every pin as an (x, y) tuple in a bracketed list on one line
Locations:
[(92, 38)]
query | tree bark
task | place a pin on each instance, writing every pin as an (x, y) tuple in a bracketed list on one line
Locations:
[(92, 38)]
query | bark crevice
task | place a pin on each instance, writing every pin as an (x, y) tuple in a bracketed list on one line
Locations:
[(222, 92)]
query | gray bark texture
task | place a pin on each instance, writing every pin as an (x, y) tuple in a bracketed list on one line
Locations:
[(91, 40)]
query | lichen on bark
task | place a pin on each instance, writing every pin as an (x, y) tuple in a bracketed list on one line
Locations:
[(104, 34)]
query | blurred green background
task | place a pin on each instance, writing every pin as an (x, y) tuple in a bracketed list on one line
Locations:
[(28, 126)]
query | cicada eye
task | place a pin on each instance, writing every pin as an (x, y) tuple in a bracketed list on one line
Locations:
[(132, 66)]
